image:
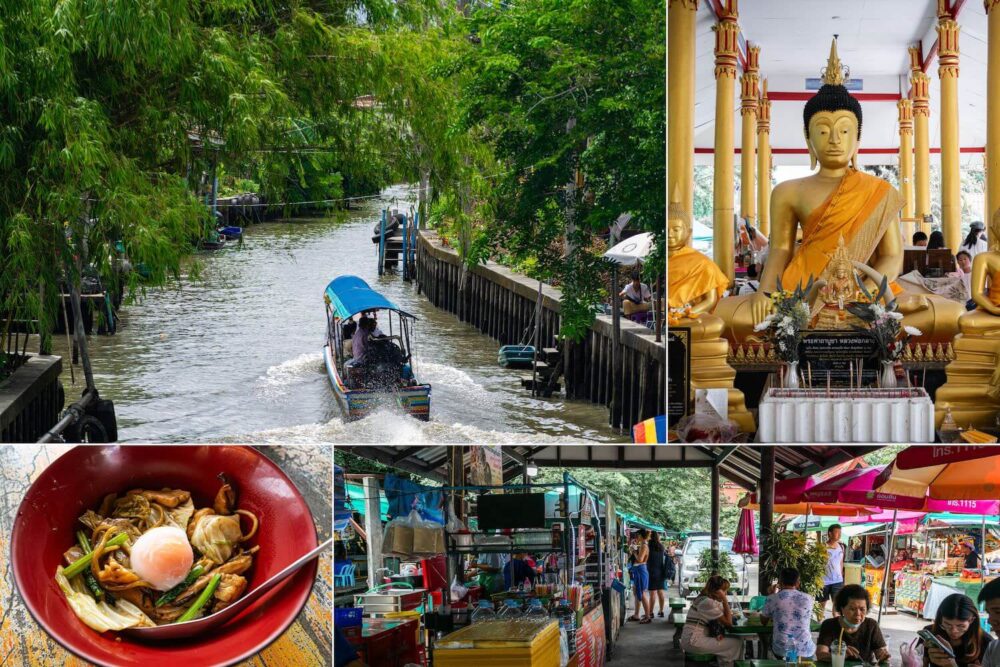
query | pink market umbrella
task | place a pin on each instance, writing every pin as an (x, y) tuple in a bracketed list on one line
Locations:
[(745, 541)]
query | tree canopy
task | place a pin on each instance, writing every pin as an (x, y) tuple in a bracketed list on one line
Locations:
[(112, 112)]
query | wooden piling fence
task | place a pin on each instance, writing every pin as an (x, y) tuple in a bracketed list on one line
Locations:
[(501, 304)]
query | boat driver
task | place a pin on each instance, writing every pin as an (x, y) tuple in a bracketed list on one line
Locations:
[(359, 342)]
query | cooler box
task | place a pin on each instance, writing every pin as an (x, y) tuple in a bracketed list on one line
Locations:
[(524, 644)]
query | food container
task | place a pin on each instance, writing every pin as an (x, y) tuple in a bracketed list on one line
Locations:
[(527, 643), (462, 539), (390, 600)]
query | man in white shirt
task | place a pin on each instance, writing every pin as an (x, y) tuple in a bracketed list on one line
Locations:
[(636, 296), (833, 577)]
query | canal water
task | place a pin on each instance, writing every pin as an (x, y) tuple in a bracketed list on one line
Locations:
[(236, 355)]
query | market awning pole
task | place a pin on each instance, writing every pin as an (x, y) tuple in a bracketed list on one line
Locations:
[(888, 563), (373, 529), (766, 511), (982, 551), (715, 515)]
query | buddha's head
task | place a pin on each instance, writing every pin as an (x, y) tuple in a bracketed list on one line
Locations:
[(678, 227), (832, 119)]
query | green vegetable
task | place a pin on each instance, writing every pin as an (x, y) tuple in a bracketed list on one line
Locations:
[(82, 563), (213, 583), (93, 586), (170, 595)]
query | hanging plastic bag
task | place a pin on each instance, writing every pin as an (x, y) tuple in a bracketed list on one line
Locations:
[(563, 648), (912, 654), (454, 524), (458, 591), (398, 539)]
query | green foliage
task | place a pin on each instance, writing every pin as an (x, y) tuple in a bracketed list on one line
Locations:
[(787, 549), (569, 93), (676, 498), (709, 566), (112, 113)]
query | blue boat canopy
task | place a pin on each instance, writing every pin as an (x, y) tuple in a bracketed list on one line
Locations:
[(350, 295)]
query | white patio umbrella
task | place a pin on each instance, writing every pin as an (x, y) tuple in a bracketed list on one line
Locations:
[(631, 250)]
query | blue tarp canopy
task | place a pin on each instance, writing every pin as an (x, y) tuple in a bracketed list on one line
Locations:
[(350, 295)]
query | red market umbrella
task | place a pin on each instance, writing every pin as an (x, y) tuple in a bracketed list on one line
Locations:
[(922, 457), (965, 474), (745, 541)]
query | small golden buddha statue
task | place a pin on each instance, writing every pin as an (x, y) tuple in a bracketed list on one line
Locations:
[(972, 392), (838, 201), (830, 308), (694, 284)]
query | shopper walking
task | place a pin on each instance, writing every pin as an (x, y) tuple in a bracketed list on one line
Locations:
[(640, 577), (657, 567), (833, 577)]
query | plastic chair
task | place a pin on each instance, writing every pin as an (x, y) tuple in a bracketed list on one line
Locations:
[(757, 602), (345, 577)]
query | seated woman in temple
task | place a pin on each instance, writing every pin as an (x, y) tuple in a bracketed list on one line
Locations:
[(936, 240)]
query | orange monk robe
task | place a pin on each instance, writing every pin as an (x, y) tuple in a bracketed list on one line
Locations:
[(860, 210), (691, 275)]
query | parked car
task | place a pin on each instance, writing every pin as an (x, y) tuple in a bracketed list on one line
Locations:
[(691, 555)]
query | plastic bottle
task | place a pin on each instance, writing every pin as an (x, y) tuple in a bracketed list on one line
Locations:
[(535, 609), (511, 610), (484, 612), (567, 623), (791, 652)]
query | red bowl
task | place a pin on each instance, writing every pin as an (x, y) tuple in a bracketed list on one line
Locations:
[(46, 524)]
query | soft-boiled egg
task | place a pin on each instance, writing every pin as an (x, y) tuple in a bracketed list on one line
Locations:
[(162, 556)]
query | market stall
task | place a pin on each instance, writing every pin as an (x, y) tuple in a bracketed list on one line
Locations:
[(551, 554), (936, 568)]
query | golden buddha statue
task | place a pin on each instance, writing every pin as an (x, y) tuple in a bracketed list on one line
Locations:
[(837, 201), (972, 392), (694, 284)]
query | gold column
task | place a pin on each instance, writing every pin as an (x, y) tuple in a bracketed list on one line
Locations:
[(764, 163), (992, 158), (726, 48), (922, 153), (951, 188), (748, 111), (906, 162), (680, 103)]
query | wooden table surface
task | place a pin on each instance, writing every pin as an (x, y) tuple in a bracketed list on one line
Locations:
[(306, 643)]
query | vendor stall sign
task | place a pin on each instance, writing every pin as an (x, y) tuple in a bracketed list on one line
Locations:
[(678, 374), (486, 466), (591, 643), (836, 354)]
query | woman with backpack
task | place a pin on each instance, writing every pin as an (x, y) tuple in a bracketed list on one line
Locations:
[(657, 574)]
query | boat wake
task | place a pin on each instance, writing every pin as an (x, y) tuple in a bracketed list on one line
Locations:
[(388, 427), (291, 371)]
